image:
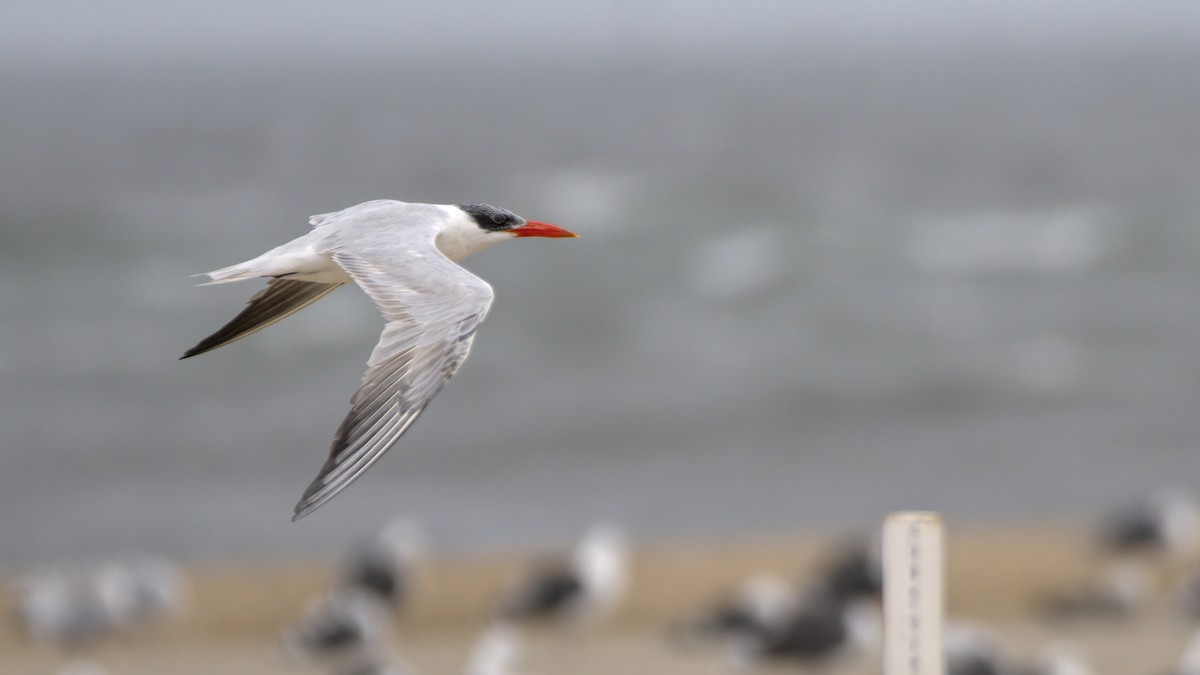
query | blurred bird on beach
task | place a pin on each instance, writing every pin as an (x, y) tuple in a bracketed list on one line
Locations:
[(387, 565), (582, 587), (73, 607)]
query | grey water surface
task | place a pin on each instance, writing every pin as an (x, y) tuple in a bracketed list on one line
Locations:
[(817, 280)]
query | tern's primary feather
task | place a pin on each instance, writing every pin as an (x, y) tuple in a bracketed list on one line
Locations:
[(433, 307), (279, 299)]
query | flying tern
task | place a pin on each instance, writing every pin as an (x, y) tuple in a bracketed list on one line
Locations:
[(403, 256)]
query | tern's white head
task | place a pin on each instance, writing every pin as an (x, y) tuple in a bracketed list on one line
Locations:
[(471, 228)]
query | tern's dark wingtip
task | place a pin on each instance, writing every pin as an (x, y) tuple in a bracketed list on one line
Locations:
[(305, 506), (199, 348), (302, 510), (194, 351)]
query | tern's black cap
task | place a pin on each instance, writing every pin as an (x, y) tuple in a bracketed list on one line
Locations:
[(492, 218)]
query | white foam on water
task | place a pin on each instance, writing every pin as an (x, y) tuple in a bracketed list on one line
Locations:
[(1064, 241), (737, 264)]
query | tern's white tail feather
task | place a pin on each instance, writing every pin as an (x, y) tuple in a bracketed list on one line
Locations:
[(245, 270), (300, 260)]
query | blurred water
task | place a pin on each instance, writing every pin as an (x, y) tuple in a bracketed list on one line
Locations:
[(810, 289)]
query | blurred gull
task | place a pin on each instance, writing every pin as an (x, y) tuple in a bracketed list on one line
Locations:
[(818, 628), (583, 587), (767, 619), (58, 608), (386, 565), (72, 608), (855, 571), (346, 630), (756, 604), (972, 649), (159, 587), (403, 256), (1164, 523), (835, 611), (495, 652)]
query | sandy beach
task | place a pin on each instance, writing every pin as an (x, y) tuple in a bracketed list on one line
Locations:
[(996, 575)]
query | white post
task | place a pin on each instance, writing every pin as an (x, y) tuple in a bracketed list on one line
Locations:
[(913, 593)]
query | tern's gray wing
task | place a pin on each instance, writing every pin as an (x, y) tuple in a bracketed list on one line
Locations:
[(280, 298), (432, 307)]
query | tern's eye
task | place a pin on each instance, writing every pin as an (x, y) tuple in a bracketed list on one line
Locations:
[(499, 218)]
